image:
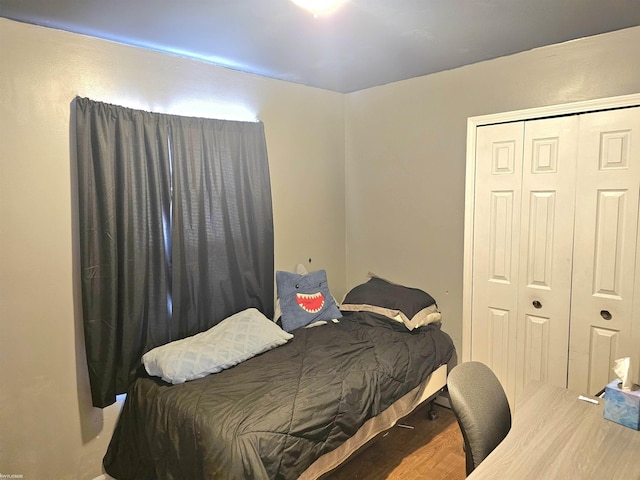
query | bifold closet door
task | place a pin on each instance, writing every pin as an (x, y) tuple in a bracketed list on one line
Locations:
[(605, 253), (499, 150), (523, 234), (546, 248)]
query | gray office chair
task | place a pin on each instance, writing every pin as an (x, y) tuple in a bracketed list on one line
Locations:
[(481, 408)]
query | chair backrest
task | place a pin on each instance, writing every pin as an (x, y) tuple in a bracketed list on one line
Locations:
[(481, 408)]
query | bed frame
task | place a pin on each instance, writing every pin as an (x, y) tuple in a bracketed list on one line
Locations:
[(202, 445), (427, 391)]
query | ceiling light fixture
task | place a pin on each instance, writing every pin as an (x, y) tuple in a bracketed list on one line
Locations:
[(318, 7)]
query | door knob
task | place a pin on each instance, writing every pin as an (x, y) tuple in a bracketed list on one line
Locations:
[(606, 315), (537, 304)]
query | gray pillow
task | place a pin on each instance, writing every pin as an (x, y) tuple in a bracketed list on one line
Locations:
[(411, 306), (233, 340)]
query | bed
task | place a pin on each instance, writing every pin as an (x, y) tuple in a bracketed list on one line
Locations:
[(295, 411)]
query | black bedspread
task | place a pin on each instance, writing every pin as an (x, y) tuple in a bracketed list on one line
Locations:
[(275, 414)]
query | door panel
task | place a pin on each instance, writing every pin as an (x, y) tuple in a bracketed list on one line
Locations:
[(537, 344), (604, 258), (603, 351), (544, 298), (496, 249)]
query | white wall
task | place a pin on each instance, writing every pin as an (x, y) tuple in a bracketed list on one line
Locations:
[(405, 154), (48, 429)]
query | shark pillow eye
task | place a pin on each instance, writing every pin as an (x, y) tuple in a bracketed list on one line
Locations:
[(305, 299)]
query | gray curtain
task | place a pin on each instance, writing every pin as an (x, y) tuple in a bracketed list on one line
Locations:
[(223, 224), (176, 232)]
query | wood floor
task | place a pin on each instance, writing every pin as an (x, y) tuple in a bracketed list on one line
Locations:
[(432, 450)]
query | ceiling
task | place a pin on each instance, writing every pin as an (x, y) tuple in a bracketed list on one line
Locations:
[(363, 43)]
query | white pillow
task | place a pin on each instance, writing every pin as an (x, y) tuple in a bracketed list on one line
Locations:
[(233, 340)]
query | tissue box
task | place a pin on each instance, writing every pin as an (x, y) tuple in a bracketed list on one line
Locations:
[(622, 407)]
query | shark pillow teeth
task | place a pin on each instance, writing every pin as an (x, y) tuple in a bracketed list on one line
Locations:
[(310, 303)]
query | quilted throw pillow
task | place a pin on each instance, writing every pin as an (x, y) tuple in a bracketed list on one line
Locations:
[(233, 340), (305, 299)]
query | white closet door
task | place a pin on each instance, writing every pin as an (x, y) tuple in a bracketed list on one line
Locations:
[(608, 178), (546, 246), (496, 249)]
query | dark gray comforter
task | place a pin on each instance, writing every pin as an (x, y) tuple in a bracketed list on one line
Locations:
[(273, 415)]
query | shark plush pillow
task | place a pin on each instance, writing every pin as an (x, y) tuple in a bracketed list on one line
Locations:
[(305, 299)]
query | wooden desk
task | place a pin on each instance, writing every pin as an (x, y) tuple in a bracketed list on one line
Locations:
[(556, 436)]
